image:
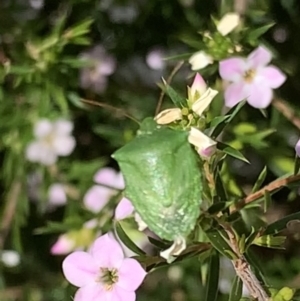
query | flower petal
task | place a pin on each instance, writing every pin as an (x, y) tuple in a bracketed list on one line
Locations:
[(124, 209), (43, 128), (141, 224), (92, 292), (38, 151), (259, 57), (57, 195), (200, 60), (63, 127), (198, 85), (235, 93), (119, 294), (80, 269), (168, 116), (297, 148), (176, 249), (107, 252), (202, 142), (228, 23), (204, 101), (232, 69), (63, 145), (96, 198), (260, 96), (63, 245), (105, 176), (272, 76), (131, 275)]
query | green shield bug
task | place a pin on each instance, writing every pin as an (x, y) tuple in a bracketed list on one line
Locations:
[(162, 179)]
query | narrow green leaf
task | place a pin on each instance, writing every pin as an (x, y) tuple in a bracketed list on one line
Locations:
[(158, 243), (256, 33), (220, 244), (236, 289), (270, 241), (267, 200), (260, 179), (127, 241), (221, 126), (221, 192), (281, 224), (212, 284), (177, 99), (218, 207), (227, 149), (218, 120), (297, 165)]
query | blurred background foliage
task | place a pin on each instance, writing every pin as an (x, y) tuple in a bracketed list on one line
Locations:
[(46, 49)]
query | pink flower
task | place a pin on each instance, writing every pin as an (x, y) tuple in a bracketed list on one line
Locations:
[(124, 209), (297, 148), (99, 195), (63, 245), (251, 78), (103, 273)]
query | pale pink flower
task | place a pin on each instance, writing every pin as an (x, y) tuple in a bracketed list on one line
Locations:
[(123, 209), (297, 148), (155, 59), (95, 77), (57, 195), (251, 78), (52, 139), (63, 245), (110, 182), (103, 273)]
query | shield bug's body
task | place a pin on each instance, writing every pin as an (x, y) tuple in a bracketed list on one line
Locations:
[(162, 179)]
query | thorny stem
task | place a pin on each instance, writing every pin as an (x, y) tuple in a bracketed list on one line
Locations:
[(9, 210), (169, 79), (243, 268), (260, 193)]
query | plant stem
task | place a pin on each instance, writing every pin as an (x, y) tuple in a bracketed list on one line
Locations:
[(9, 210), (243, 268), (260, 193)]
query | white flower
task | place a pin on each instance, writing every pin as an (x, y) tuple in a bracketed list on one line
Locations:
[(52, 139), (199, 99), (10, 258), (200, 60), (176, 249), (228, 23), (205, 146), (57, 194)]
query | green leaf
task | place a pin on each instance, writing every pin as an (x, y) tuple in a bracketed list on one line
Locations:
[(281, 224), (236, 289), (231, 151), (218, 120), (221, 126), (256, 33), (127, 241), (177, 99), (269, 241), (212, 284), (297, 165), (260, 180), (219, 243), (267, 200), (218, 207)]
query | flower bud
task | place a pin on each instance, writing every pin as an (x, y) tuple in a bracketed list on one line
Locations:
[(168, 116), (200, 105), (200, 60), (228, 23)]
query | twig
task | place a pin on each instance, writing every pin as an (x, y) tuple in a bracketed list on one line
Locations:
[(260, 193), (284, 108), (9, 211), (109, 107), (169, 80), (243, 268)]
